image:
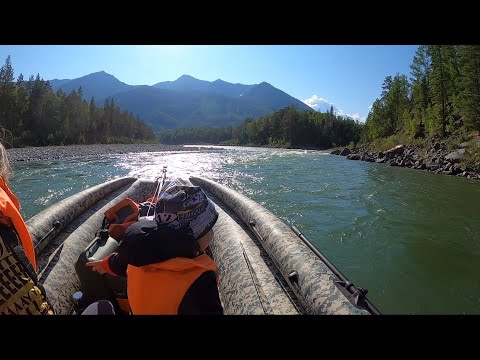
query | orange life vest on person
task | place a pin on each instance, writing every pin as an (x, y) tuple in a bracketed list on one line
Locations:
[(20, 292), (10, 216), (158, 289)]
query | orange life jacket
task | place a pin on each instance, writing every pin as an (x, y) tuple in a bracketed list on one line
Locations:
[(120, 217), (10, 215), (158, 289), (20, 292)]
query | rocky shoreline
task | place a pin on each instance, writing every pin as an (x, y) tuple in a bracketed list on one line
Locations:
[(435, 158), (71, 151)]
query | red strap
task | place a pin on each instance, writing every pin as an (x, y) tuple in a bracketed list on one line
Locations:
[(106, 265)]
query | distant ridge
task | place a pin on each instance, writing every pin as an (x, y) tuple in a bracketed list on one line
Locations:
[(100, 85), (185, 102)]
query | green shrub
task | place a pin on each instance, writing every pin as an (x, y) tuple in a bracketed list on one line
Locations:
[(397, 139), (471, 159)]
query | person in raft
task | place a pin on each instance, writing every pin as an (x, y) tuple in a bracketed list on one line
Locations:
[(164, 259), (20, 291)]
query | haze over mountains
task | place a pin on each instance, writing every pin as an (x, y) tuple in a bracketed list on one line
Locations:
[(185, 102)]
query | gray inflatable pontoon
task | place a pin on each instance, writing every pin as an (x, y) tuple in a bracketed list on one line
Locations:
[(264, 267)]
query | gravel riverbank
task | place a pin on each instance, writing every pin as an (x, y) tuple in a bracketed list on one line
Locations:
[(62, 152)]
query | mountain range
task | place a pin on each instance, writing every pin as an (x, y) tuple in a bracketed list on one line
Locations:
[(185, 102)]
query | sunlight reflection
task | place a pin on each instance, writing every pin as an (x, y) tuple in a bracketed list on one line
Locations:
[(183, 165)]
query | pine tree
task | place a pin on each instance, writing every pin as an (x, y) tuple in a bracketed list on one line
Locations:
[(23, 100), (6, 72), (469, 59), (420, 74), (439, 89), (386, 86), (92, 124), (453, 86), (8, 95)]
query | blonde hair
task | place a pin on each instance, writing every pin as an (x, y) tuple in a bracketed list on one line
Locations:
[(5, 169)]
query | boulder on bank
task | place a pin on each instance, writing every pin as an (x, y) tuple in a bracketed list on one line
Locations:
[(455, 156), (399, 149), (336, 152), (353, 157), (432, 166), (433, 158), (345, 152)]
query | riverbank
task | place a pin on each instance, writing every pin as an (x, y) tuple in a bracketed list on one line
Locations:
[(70, 151), (435, 158)]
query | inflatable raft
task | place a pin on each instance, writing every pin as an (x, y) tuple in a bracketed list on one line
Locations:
[(265, 267)]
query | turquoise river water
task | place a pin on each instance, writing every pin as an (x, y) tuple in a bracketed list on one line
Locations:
[(412, 238)]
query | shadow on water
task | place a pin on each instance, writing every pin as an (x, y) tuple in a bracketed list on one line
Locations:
[(426, 234)]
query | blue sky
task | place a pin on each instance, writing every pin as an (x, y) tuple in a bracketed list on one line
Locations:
[(349, 76)]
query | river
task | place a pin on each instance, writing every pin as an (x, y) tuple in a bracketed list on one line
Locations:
[(412, 238)]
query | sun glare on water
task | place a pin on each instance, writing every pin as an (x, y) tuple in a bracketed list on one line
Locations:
[(179, 165)]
